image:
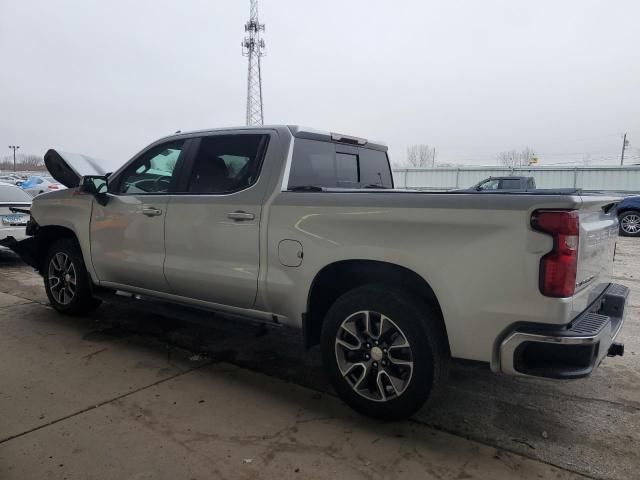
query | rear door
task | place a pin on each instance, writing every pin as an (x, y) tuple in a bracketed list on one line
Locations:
[(213, 223), (127, 234)]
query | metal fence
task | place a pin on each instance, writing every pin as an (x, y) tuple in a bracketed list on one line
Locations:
[(619, 179)]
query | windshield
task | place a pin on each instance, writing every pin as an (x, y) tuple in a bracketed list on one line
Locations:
[(9, 193)]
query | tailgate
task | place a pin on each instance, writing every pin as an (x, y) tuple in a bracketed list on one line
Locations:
[(598, 234)]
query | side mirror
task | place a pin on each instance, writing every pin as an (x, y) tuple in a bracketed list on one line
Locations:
[(95, 185)]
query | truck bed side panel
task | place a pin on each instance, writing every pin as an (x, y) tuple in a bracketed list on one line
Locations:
[(477, 252)]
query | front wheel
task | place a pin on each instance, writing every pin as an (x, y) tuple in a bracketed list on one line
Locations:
[(384, 351), (66, 280), (630, 224)]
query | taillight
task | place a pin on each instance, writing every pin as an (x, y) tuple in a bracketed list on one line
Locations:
[(52, 186), (558, 267)]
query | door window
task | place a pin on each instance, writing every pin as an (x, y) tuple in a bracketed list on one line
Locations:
[(489, 185), (227, 163), (153, 171)]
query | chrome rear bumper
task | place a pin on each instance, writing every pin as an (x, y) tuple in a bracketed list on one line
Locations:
[(569, 351)]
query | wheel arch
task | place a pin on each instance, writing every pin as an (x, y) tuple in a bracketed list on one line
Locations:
[(45, 237), (339, 277), (628, 209)]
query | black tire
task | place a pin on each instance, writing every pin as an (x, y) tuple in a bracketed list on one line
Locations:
[(630, 223), (420, 326), (74, 301)]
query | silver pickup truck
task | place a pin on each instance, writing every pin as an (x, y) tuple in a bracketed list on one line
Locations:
[(302, 228)]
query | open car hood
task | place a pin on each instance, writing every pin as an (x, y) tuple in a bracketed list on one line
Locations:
[(69, 168)]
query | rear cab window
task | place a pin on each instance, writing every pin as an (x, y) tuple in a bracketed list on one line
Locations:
[(510, 184), (317, 163)]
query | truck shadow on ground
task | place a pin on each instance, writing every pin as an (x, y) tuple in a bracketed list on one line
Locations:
[(475, 404)]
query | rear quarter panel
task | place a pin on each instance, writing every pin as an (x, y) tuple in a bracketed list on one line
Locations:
[(477, 252)]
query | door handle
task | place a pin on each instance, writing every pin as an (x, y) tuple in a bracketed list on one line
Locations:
[(239, 216), (151, 211)]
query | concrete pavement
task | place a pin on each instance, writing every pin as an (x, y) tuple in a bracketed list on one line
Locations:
[(123, 394), (79, 401)]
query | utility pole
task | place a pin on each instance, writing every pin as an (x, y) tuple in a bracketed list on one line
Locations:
[(253, 48), (14, 148), (625, 144)]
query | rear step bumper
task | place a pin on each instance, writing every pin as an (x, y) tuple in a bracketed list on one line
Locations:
[(569, 351)]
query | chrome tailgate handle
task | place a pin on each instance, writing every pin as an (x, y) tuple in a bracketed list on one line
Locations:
[(150, 211), (241, 216)]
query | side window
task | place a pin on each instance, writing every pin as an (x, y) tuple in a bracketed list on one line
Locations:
[(531, 184), (227, 163), (153, 171)]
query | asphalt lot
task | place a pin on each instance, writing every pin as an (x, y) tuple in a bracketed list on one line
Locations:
[(124, 394)]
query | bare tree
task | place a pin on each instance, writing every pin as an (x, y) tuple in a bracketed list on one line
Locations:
[(412, 155), (515, 158), (24, 163), (421, 155)]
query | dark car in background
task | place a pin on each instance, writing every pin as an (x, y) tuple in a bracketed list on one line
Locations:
[(629, 216), (504, 184)]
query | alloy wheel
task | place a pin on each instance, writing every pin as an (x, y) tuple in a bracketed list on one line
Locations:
[(374, 356), (630, 223), (62, 278)]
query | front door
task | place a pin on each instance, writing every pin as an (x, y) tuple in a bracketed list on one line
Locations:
[(212, 230), (127, 234)]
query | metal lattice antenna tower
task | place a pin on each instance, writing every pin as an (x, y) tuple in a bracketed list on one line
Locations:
[(253, 47)]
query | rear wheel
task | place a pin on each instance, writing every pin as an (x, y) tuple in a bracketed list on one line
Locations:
[(630, 224), (384, 351), (66, 280)]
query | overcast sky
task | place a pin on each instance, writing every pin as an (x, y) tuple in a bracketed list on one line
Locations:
[(471, 78)]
